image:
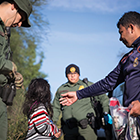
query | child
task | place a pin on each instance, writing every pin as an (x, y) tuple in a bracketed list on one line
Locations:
[(39, 111)]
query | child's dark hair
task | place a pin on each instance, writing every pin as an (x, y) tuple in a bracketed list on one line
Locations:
[(38, 92)]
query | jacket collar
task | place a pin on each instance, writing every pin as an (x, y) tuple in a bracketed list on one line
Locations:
[(2, 24), (70, 85), (136, 43)]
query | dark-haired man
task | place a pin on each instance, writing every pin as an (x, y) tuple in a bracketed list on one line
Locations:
[(74, 121), (12, 13)]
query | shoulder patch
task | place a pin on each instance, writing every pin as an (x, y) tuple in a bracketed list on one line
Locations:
[(81, 87), (136, 62)]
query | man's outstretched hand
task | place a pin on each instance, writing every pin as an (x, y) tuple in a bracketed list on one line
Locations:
[(68, 98)]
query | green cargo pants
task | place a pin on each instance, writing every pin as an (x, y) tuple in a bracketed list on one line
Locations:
[(3, 120)]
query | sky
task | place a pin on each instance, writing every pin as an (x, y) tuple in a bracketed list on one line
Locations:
[(83, 32)]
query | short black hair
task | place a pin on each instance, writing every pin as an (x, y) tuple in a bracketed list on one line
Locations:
[(130, 17)]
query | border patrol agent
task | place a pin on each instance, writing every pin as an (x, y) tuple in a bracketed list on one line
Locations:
[(74, 120), (12, 13)]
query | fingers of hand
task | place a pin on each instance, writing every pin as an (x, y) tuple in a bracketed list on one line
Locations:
[(58, 134), (18, 77), (19, 84), (134, 112), (11, 75), (14, 68), (18, 80), (63, 101), (18, 87), (64, 94)]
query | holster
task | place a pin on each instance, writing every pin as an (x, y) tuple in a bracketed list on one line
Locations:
[(83, 123), (91, 120), (7, 93)]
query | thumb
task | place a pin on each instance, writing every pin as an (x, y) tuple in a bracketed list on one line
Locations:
[(131, 112), (64, 94)]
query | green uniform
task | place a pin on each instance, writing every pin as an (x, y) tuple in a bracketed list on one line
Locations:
[(5, 63), (76, 111), (5, 68)]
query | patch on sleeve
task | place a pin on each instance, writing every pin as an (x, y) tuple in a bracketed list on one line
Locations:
[(136, 62), (81, 87)]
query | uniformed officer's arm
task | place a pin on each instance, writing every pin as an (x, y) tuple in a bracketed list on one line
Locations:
[(90, 83), (56, 107), (104, 100), (5, 65)]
